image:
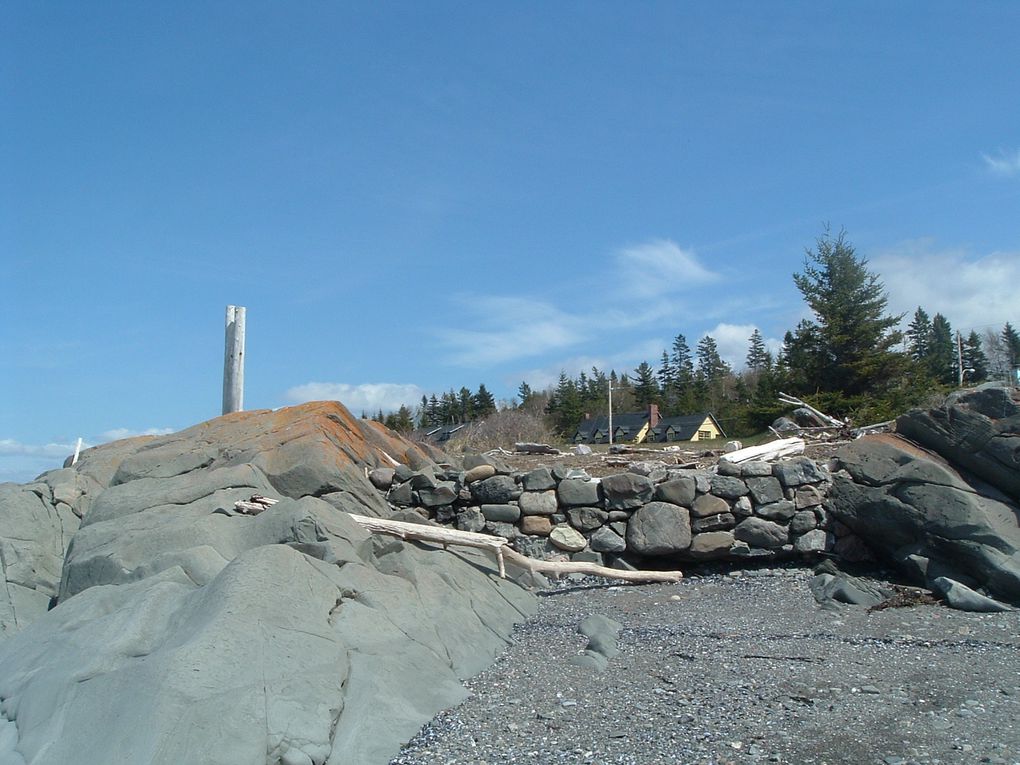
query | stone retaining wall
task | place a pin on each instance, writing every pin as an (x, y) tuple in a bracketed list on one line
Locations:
[(756, 510)]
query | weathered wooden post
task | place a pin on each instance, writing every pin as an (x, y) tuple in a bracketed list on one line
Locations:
[(233, 361)]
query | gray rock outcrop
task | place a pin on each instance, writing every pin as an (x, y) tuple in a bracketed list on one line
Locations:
[(186, 632)]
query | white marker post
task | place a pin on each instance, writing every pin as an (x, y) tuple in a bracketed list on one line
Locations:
[(233, 361), (77, 451)]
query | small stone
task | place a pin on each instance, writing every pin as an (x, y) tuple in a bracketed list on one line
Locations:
[(567, 538), (479, 473)]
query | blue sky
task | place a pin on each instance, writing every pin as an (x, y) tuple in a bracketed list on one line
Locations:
[(409, 196)]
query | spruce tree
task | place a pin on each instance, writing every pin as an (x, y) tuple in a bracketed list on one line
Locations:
[(941, 357), (483, 403), (853, 338), (758, 356), (1011, 344), (646, 389), (919, 335), (974, 359)]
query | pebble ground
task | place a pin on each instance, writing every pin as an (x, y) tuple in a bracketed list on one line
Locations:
[(740, 668)]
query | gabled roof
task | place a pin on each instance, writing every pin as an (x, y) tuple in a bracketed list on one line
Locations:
[(630, 422), (685, 427)]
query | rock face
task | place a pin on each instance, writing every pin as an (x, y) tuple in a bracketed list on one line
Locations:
[(925, 515), (186, 632)]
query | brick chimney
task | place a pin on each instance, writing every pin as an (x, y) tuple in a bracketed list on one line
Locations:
[(653, 415)]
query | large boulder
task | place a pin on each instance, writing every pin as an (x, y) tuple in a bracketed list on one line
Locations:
[(659, 528), (977, 429), (925, 516), (185, 631)]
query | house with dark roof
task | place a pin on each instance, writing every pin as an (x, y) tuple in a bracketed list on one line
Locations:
[(644, 427), (689, 427)]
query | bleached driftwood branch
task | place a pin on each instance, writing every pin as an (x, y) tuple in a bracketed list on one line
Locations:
[(444, 536), (784, 447), (791, 400)]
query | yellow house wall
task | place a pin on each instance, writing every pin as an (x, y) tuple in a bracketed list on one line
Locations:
[(709, 426)]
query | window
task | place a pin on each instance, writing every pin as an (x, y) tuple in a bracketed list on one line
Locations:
[(704, 435)]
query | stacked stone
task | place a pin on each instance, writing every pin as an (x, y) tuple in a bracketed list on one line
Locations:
[(757, 509)]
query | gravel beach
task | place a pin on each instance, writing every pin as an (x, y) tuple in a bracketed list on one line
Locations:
[(740, 667)]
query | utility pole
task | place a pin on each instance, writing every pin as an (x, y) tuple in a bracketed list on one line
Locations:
[(610, 383), (959, 356), (233, 361)]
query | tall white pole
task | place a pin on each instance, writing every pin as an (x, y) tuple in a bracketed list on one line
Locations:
[(610, 412), (233, 361), (959, 355)]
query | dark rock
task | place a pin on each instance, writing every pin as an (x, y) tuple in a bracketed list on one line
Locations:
[(401, 495), (963, 598), (808, 496), (756, 469), (497, 490), (725, 467), (728, 487), (538, 502), (758, 532), (709, 504), (781, 511), (474, 460), (619, 515), (471, 519), (842, 588), (712, 544), (442, 494), (503, 513), (607, 540), (659, 528), (382, 478), (798, 471), (539, 479), (424, 479), (587, 518), (900, 502), (802, 522), (677, 491), (713, 523), (742, 507), (537, 547), (574, 492), (765, 490), (501, 529), (587, 556), (977, 429), (402, 473), (654, 470), (626, 491), (814, 541)]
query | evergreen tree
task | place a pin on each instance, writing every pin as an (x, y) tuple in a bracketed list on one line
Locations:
[(853, 352), (758, 356), (646, 389), (483, 402), (565, 406), (682, 398), (710, 377), (465, 406), (974, 359), (919, 335), (1011, 345), (524, 393), (941, 359)]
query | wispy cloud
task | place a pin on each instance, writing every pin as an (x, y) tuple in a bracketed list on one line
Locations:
[(732, 340), (1003, 162), (367, 397), (118, 433), (660, 267), (636, 288), (11, 448), (969, 289)]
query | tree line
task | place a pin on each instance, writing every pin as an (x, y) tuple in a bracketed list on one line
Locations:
[(849, 360)]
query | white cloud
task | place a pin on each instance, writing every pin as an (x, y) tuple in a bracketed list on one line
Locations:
[(1003, 163), (118, 433), (11, 448), (508, 328), (660, 267), (732, 340), (970, 290), (634, 291), (367, 397)]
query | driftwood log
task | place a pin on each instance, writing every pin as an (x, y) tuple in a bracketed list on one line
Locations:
[(784, 447), (419, 532), (441, 535)]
